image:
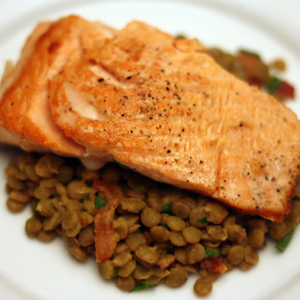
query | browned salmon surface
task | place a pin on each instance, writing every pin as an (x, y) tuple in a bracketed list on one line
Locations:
[(25, 115), (165, 108), (158, 105)]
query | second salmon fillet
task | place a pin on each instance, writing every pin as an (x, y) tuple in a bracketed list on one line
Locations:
[(166, 109), (25, 115)]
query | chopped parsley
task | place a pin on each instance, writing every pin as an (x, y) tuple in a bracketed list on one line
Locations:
[(283, 243), (203, 220), (273, 84), (115, 273), (249, 53), (100, 202), (167, 209), (35, 211), (139, 287), (210, 253)]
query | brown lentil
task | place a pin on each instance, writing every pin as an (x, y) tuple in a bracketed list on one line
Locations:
[(198, 213), (236, 254), (165, 260), (78, 253), (180, 210), (135, 240), (106, 269), (150, 217), (216, 212), (71, 223), (147, 254), (202, 286), (122, 259), (142, 273), (159, 234), (33, 226), (251, 255), (14, 205), (46, 236), (177, 239), (180, 255), (132, 204), (217, 232), (256, 237), (52, 222), (120, 227), (125, 284), (191, 234), (177, 277), (86, 236), (211, 276), (175, 223), (194, 253), (128, 269), (19, 196)]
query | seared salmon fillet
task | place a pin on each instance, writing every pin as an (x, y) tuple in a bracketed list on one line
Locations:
[(166, 109), (25, 114)]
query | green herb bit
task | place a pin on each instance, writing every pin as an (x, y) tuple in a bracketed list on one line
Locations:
[(139, 287), (122, 165), (283, 243), (180, 36), (210, 253), (273, 84), (100, 202), (35, 211), (250, 53), (115, 273), (167, 209), (86, 196), (203, 220)]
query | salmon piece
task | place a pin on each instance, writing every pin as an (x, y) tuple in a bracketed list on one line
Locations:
[(25, 114), (166, 109)]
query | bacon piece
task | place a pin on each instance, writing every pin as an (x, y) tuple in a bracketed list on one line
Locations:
[(105, 243)]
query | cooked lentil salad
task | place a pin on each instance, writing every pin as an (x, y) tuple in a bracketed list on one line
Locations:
[(158, 233), (153, 233)]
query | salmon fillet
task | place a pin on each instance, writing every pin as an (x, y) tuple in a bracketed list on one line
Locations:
[(25, 114), (166, 109)]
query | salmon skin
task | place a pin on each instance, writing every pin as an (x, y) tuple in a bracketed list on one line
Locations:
[(164, 108)]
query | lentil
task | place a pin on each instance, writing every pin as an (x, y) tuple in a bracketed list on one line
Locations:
[(106, 269), (78, 253), (177, 277), (33, 226), (202, 287)]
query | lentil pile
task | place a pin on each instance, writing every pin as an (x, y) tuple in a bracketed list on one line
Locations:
[(141, 232)]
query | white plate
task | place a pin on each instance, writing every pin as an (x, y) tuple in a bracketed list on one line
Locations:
[(30, 269)]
